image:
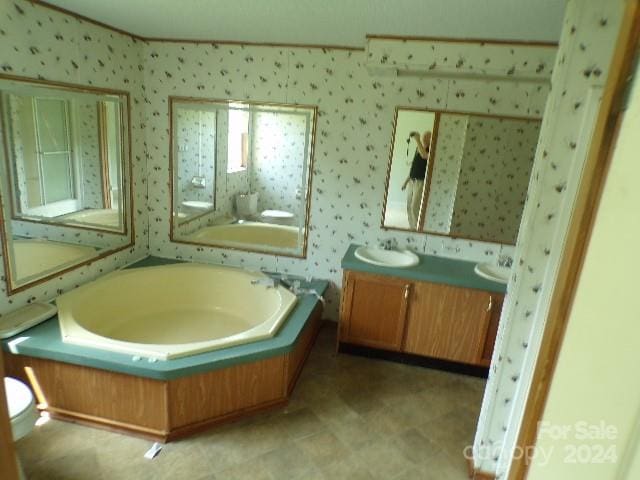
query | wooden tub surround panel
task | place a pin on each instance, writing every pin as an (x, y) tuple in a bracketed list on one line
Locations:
[(164, 410)]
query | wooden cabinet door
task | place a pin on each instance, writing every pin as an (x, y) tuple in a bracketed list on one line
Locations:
[(373, 310), (448, 322), (492, 330)]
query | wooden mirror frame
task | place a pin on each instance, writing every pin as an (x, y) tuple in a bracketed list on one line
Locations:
[(307, 199), (127, 187), (432, 160)]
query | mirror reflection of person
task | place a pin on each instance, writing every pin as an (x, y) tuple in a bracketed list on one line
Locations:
[(417, 174)]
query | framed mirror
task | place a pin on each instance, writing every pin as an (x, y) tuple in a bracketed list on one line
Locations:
[(65, 186), (475, 178), (241, 174)]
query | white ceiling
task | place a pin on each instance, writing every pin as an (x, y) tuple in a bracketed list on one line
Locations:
[(326, 22)]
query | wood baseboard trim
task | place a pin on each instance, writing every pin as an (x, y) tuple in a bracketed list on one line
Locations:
[(115, 427), (188, 430), (307, 340), (412, 359), (476, 474)]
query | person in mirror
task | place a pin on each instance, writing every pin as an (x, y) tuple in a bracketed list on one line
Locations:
[(414, 184)]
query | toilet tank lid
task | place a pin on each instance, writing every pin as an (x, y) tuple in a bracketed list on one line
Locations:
[(276, 214), (19, 397)]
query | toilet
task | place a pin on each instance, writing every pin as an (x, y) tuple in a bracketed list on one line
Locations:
[(247, 205), (22, 410), (279, 217)]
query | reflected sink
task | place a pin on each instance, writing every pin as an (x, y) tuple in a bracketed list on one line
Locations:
[(387, 258), (494, 273)]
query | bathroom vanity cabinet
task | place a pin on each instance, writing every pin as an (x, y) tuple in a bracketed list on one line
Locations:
[(419, 311)]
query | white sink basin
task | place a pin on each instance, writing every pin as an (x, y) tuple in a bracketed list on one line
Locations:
[(494, 273), (387, 258)]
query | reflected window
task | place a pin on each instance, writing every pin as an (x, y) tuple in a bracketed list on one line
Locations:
[(238, 141), (64, 183)]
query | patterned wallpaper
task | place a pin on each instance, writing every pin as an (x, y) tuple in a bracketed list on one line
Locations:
[(589, 31), (494, 175), (441, 57), (354, 129), (452, 133), (40, 43), (278, 160)]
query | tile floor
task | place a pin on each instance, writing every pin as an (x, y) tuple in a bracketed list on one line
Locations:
[(349, 418)]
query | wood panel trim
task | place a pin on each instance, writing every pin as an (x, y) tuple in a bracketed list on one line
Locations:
[(492, 330), (587, 202), (114, 425), (192, 428), (84, 18), (296, 359), (481, 41)]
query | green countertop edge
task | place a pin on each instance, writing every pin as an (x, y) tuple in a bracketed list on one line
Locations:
[(45, 341), (449, 271)]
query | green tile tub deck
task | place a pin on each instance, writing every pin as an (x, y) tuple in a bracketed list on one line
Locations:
[(449, 271), (45, 341)]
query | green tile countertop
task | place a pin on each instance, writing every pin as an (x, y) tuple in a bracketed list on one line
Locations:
[(45, 341), (449, 271)]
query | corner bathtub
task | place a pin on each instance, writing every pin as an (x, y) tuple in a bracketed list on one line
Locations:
[(172, 311), (280, 236)]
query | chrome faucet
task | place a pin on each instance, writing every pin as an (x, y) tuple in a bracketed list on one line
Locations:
[(389, 244), (273, 280), (505, 261)]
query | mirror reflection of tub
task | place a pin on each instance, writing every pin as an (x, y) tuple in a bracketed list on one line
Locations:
[(106, 217), (33, 258), (243, 233)]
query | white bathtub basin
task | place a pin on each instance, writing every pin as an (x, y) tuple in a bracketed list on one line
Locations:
[(251, 233), (172, 311)]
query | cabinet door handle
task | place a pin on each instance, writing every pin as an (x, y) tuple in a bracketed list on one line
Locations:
[(406, 291), (490, 306)]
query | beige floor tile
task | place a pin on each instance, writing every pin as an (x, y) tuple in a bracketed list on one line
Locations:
[(350, 468), (383, 459), (81, 464), (323, 448), (288, 461), (297, 424), (417, 448), (254, 469)]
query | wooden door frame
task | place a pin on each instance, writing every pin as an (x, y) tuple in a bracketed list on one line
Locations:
[(587, 201)]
